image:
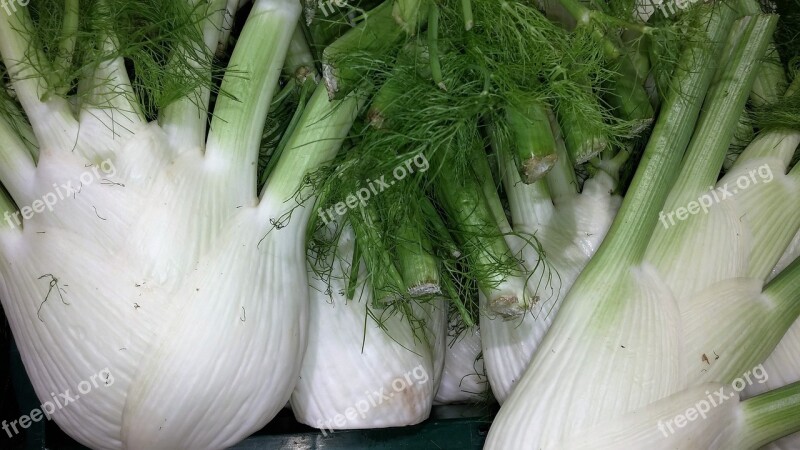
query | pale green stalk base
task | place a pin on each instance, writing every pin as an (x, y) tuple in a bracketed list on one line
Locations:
[(532, 141), (784, 290), (530, 204), (480, 227), (385, 278), (237, 124), (16, 164), (439, 228), (378, 33), (66, 43), (625, 243), (318, 137), (771, 81), (306, 90), (780, 144), (7, 207), (561, 181), (185, 120), (417, 264), (771, 416), (52, 120), (770, 225), (722, 109), (299, 60), (466, 8), (583, 141)]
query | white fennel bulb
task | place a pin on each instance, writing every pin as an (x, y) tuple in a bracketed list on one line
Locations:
[(660, 309), (464, 376), (365, 367), (163, 265), (569, 227)]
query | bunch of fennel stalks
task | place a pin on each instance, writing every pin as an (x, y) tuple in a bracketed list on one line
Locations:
[(207, 274)]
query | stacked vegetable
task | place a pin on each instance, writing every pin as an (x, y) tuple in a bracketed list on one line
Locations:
[(369, 209), (661, 310), (163, 264)]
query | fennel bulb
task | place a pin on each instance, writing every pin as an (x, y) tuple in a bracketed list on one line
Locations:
[(639, 318), (171, 271), (569, 228), (464, 376), (365, 367)]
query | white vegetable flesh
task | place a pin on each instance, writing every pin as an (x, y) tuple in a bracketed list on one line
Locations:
[(169, 271), (358, 373)]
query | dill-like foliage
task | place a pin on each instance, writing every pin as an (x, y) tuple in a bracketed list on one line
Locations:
[(14, 115), (512, 55), (785, 113), (160, 42)]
